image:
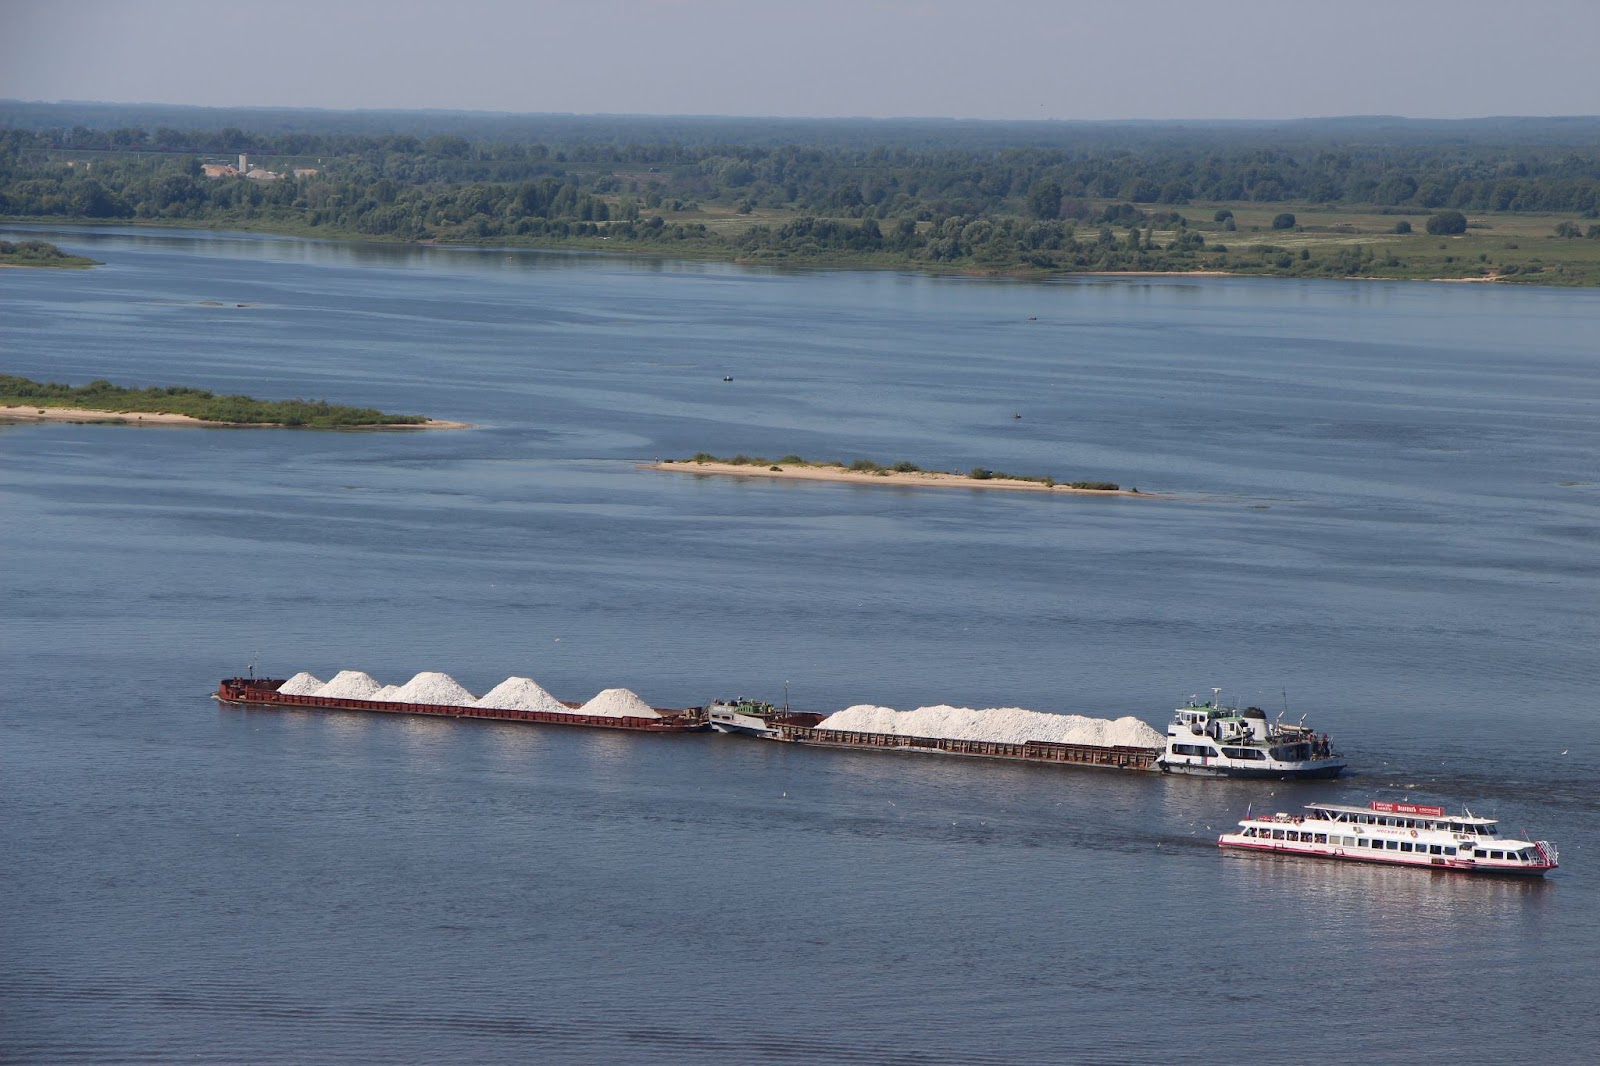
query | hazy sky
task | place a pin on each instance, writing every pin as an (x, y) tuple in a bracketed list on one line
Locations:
[(1101, 59)]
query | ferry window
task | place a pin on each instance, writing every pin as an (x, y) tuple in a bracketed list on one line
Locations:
[(1349, 842), (1393, 845), (1480, 854), (1405, 845), (1277, 834), (1487, 830), (1449, 850), (1497, 855), (1435, 849)]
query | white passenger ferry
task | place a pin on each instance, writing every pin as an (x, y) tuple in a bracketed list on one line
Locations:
[(1211, 740), (1402, 834)]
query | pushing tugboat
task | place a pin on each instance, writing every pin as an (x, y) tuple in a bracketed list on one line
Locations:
[(1212, 740), (746, 717)]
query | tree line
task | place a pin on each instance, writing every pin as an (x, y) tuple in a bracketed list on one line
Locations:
[(890, 181), (1091, 207)]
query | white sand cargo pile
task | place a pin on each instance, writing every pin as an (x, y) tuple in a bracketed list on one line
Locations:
[(432, 687), (521, 694), (1006, 725), (349, 685), (619, 703), (384, 694), (301, 684)]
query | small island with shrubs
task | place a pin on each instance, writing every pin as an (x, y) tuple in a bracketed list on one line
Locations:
[(23, 400), (866, 471), (40, 254)]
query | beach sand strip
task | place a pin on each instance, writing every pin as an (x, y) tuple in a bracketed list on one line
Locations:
[(918, 479)]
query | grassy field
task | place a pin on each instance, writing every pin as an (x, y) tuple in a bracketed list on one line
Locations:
[(1496, 247), (1504, 247), (1521, 248)]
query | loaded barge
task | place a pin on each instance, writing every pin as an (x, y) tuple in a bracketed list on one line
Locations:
[(755, 719), (1113, 757), (263, 692), (1254, 747)]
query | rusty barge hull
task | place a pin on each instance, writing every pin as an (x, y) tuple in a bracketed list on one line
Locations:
[(1034, 751), (263, 692)]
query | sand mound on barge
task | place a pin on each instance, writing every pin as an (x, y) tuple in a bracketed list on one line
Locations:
[(348, 685), (521, 694), (1006, 725), (301, 684), (618, 703), (435, 688)]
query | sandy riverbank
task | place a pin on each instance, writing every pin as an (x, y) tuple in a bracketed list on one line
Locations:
[(156, 418), (918, 479)]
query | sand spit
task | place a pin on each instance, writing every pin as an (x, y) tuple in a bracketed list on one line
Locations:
[(158, 418), (896, 478)]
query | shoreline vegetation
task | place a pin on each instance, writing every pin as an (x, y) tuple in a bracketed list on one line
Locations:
[(1480, 200), (23, 400), (868, 472), (41, 254)]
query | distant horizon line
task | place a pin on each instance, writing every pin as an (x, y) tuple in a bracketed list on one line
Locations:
[(493, 112)]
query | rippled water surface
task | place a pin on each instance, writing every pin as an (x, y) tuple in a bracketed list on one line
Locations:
[(1380, 508)]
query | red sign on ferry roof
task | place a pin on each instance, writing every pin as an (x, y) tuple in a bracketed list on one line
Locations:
[(1407, 808)]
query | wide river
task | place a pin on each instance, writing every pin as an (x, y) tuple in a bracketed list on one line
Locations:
[(1380, 511)]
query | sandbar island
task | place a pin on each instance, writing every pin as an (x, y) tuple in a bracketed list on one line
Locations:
[(867, 472)]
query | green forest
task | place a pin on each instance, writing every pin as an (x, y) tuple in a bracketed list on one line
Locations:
[(1493, 199)]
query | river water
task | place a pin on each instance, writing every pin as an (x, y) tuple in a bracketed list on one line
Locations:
[(1380, 510)]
